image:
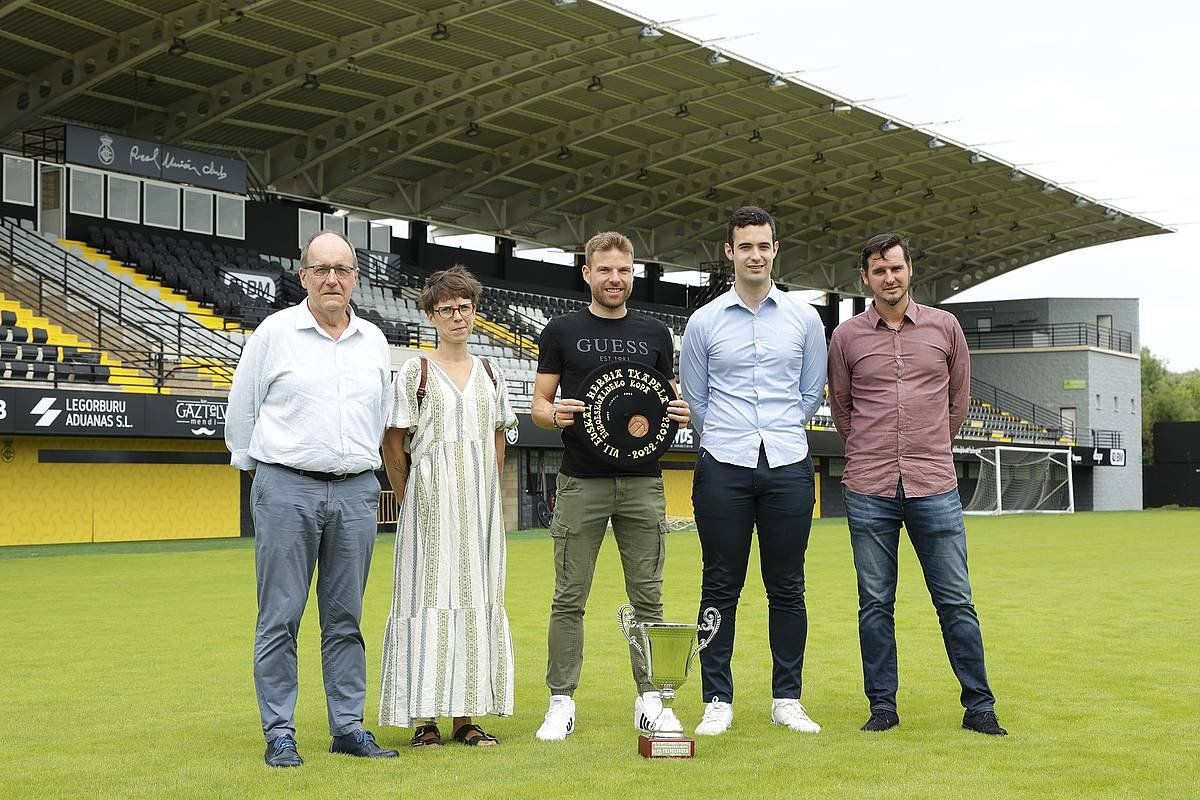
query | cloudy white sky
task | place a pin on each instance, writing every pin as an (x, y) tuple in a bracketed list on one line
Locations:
[(1093, 95)]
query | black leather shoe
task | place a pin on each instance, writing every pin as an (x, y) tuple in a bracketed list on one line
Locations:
[(881, 721), (983, 722), (360, 743), (282, 752)]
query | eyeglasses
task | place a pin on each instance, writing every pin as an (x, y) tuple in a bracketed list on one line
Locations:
[(322, 272), (464, 309)]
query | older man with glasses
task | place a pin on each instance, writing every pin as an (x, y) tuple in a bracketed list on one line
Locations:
[(306, 418)]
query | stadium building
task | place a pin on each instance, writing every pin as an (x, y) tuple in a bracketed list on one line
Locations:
[(163, 162)]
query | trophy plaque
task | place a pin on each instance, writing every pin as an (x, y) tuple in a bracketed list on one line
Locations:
[(625, 420), (668, 650)]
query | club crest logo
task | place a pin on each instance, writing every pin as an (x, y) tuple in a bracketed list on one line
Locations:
[(105, 153)]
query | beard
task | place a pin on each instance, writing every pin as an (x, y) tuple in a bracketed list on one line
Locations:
[(893, 303), (602, 297)]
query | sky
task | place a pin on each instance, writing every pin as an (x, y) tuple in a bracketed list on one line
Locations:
[(1092, 95)]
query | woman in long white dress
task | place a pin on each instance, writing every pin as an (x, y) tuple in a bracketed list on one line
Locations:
[(447, 650)]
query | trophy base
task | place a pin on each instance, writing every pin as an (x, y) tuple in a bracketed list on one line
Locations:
[(666, 747)]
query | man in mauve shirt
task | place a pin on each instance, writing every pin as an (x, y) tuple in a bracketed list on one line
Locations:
[(899, 385)]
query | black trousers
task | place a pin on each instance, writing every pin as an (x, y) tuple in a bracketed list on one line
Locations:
[(730, 502)]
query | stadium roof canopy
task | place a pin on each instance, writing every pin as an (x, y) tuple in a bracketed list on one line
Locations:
[(540, 120)]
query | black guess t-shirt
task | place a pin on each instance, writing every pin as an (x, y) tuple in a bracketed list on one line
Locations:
[(573, 345)]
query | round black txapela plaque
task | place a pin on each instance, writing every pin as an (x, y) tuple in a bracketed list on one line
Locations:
[(625, 416)]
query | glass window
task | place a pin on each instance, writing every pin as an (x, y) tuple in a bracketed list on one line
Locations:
[(309, 223), (197, 211), (87, 192), (231, 216), (357, 231), (124, 199), (332, 222), (18, 180), (162, 204), (381, 237)]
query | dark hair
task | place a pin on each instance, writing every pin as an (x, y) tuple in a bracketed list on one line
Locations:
[(449, 283), (607, 240), (879, 244), (746, 216)]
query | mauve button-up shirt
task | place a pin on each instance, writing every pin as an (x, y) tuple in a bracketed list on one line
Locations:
[(898, 398)]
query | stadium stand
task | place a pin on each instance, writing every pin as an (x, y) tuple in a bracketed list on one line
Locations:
[(104, 329)]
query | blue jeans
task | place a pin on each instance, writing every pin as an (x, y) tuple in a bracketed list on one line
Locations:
[(935, 528), (730, 502)]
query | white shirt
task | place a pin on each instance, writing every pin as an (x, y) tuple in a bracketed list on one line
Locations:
[(305, 401)]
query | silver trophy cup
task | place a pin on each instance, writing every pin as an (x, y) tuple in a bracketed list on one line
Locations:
[(668, 650)]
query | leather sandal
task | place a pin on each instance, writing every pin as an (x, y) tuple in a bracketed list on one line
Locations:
[(426, 736), (463, 734)]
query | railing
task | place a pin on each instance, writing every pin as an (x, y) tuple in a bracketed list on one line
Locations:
[(1040, 416), (720, 277), (96, 305), (143, 371), (1101, 438), (1059, 334), (1007, 401)]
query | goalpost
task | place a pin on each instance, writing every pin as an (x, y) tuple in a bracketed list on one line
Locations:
[(1023, 479)]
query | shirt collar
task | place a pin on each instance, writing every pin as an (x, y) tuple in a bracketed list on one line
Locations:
[(305, 319), (732, 298), (912, 313)]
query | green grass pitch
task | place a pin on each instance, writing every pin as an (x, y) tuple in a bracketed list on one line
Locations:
[(125, 672)]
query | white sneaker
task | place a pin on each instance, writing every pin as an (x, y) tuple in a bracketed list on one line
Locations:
[(791, 714), (560, 719), (649, 716), (718, 718)]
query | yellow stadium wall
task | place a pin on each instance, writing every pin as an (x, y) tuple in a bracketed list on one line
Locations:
[(49, 503), (677, 485)]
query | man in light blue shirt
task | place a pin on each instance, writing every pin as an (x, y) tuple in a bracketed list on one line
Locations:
[(753, 369)]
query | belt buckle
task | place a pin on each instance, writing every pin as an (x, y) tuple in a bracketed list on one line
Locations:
[(340, 478)]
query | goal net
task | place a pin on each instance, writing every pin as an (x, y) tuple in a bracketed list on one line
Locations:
[(1021, 479)]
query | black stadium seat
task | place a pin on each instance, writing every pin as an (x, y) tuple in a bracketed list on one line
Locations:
[(8, 318)]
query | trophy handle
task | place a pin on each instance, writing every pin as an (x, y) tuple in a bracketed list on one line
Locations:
[(711, 621), (626, 621)]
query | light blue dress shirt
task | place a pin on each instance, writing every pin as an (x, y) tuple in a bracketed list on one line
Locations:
[(753, 378)]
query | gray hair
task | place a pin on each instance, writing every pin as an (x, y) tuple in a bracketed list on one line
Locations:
[(304, 250)]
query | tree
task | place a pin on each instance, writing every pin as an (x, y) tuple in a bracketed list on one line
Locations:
[(1166, 397)]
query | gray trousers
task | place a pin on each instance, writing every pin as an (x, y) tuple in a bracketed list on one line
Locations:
[(299, 523)]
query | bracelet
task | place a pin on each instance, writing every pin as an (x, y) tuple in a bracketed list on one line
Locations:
[(554, 418)]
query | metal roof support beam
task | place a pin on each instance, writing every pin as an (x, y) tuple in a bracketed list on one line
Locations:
[(950, 247), (451, 120), (502, 162), (573, 185), (52, 86), (821, 178), (939, 280), (186, 118)]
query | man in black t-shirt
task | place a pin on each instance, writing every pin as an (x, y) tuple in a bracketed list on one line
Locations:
[(591, 492)]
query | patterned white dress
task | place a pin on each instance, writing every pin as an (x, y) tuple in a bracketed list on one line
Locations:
[(447, 651)]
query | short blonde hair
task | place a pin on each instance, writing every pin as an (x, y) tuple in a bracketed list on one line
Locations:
[(608, 240)]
